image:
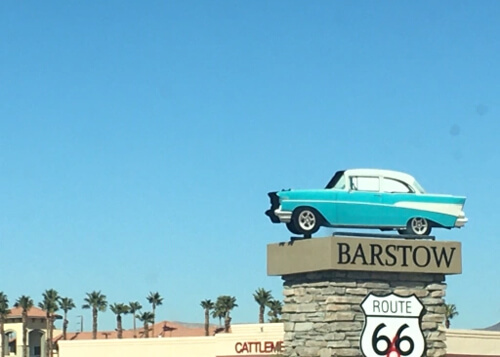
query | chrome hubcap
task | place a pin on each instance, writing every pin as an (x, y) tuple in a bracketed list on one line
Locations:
[(419, 225), (307, 220)]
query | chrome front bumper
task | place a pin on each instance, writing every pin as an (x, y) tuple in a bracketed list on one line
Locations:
[(283, 216)]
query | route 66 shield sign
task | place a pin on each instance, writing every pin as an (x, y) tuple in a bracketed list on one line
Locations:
[(392, 326)]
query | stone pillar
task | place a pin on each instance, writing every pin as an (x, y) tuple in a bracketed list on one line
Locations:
[(326, 280), (322, 313)]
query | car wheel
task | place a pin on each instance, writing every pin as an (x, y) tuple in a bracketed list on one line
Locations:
[(418, 226), (291, 228), (306, 220)]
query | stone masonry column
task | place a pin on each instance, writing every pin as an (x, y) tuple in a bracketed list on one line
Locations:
[(323, 317)]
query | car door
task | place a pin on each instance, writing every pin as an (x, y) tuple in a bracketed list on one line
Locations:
[(393, 192), (360, 204)]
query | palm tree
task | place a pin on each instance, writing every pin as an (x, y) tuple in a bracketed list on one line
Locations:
[(25, 303), (134, 308), (450, 312), (119, 309), (262, 297), (207, 305), (217, 312), (147, 318), (155, 300), (275, 307), (50, 306), (66, 304), (4, 312), (97, 302), (226, 303)]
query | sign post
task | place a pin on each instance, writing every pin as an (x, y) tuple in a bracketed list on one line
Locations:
[(364, 297)]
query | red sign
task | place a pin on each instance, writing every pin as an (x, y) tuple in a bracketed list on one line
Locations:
[(258, 347)]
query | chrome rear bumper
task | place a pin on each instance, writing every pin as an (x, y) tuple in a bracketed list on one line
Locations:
[(461, 220)]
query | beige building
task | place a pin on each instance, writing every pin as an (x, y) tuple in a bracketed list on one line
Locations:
[(37, 332), (188, 340), (463, 343), (250, 340), (244, 340)]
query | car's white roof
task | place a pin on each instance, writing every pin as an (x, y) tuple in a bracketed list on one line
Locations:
[(379, 172)]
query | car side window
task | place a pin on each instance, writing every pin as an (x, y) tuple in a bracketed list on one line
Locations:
[(395, 186), (364, 183), (340, 184)]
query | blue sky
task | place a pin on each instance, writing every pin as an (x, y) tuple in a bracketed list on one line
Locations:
[(138, 140)]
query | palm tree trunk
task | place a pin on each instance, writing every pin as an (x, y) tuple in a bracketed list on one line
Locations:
[(25, 334), (52, 318), (154, 315), (94, 323), (119, 325), (135, 334), (261, 314), (146, 330), (47, 344), (65, 326), (227, 323), (207, 320), (2, 332)]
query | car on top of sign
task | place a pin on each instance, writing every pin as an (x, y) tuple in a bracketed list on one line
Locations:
[(367, 198)]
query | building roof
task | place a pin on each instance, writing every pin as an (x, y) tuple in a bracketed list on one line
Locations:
[(495, 327), (34, 312), (162, 329), (17, 312)]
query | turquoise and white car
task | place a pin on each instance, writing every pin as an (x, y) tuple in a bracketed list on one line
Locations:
[(367, 198)]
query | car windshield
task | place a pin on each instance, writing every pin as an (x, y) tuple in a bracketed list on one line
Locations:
[(337, 181), (418, 187)]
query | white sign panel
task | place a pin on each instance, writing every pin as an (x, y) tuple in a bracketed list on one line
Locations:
[(392, 326)]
